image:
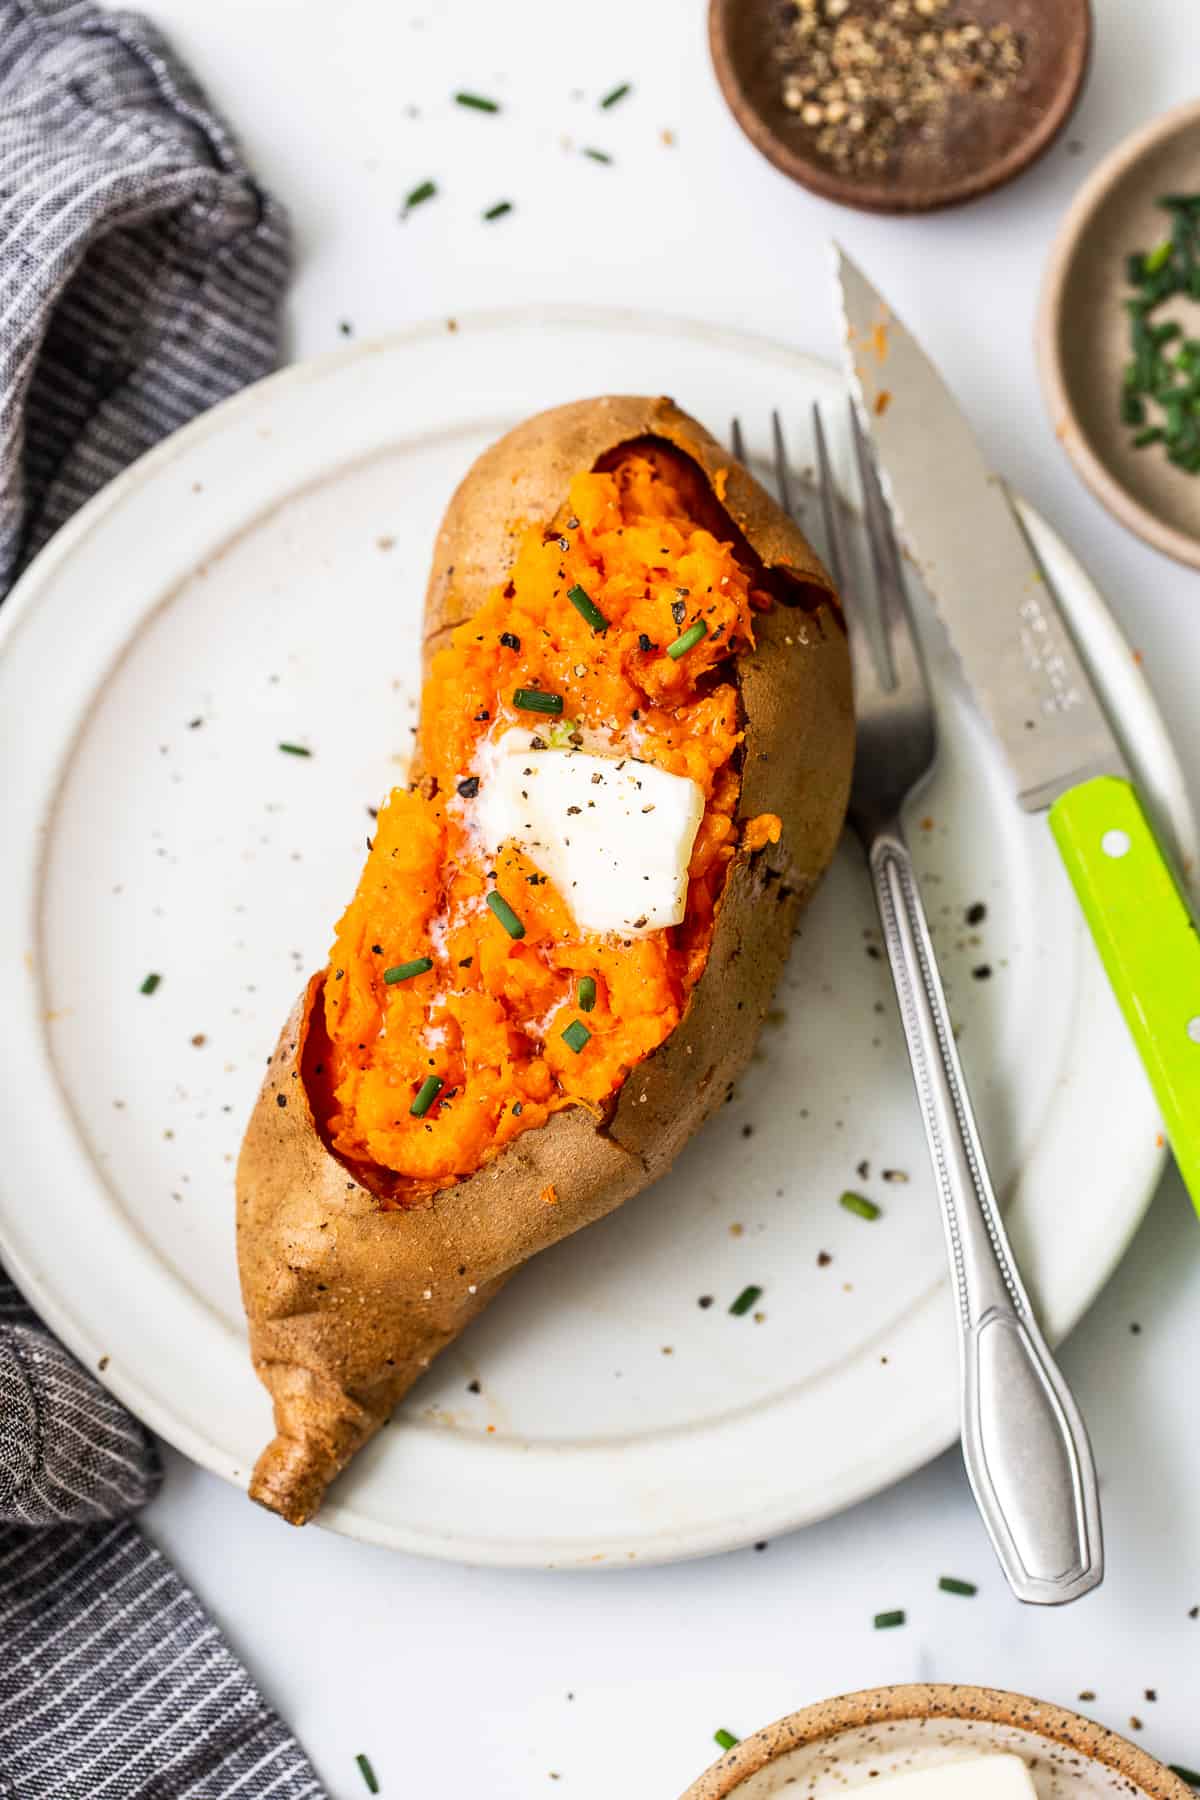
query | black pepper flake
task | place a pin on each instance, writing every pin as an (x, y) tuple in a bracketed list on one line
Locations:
[(823, 1259), (518, 1108), (705, 1301), (863, 1170), (481, 718), (747, 1131), (469, 787), (983, 972), (761, 1545), (466, 962), (376, 949), (678, 611), (976, 914), (281, 1099), (510, 640), (644, 642), (473, 1387)]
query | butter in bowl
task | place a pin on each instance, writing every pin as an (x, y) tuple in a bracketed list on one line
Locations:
[(937, 1742)]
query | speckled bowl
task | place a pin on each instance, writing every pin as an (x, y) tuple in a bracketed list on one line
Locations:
[(1083, 332), (835, 1747)]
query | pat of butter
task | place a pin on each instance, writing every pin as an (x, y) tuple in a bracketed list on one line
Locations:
[(614, 835), (1000, 1777)]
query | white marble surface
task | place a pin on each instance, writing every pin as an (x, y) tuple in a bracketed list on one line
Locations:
[(458, 1681)]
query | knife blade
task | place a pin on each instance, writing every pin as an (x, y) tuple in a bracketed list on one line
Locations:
[(1016, 650)]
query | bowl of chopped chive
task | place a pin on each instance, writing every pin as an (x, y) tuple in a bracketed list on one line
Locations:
[(1119, 333), (1001, 1747), (901, 106)]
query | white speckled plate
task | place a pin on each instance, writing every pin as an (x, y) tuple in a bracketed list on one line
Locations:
[(258, 580)]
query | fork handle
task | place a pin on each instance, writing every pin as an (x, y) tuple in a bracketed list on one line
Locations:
[(1024, 1442)]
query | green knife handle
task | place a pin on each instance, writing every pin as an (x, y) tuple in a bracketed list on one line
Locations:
[(1148, 944)]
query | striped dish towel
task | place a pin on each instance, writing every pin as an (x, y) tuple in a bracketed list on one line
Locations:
[(141, 275)]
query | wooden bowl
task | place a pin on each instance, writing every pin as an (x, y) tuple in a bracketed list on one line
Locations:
[(828, 1751), (984, 143), (1083, 331)]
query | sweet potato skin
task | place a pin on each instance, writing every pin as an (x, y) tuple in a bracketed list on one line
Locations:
[(348, 1303)]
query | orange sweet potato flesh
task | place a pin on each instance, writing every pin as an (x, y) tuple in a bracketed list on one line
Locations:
[(367, 1242)]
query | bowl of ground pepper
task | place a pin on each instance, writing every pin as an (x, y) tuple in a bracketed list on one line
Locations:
[(901, 105)]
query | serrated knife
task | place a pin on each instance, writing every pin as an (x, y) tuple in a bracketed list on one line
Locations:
[(958, 524)]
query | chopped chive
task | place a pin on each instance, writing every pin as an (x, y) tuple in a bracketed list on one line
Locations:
[(615, 95), (950, 1584), (535, 700), (1158, 258), (586, 996), (1154, 434), (586, 607), (725, 1739), (1133, 410), (420, 965), (886, 1621), (295, 750), (477, 102), (504, 912), (745, 1300), (151, 982), (498, 211), (427, 1093), (368, 1773), (1185, 1774), (424, 191), (600, 156), (576, 1035), (859, 1205), (688, 641)]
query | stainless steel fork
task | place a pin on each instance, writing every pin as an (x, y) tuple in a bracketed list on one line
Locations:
[(1024, 1441)]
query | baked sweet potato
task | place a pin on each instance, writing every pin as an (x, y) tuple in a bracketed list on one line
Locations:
[(429, 1119)]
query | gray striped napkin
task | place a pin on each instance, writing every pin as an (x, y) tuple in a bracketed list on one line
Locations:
[(141, 275)]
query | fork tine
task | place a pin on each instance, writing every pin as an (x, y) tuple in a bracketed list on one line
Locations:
[(901, 657), (862, 653), (837, 548), (736, 441), (782, 478)]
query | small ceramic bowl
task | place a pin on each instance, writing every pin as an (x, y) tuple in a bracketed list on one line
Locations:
[(827, 1751), (983, 143), (1083, 331)]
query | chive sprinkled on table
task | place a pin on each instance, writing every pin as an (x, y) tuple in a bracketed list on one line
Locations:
[(887, 1621), (615, 95), (576, 1035), (427, 1093), (151, 982), (535, 700), (586, 607), (295, 750), (367, 1772), (1185, 1774), (725, 1739), (745, 1300), (477, 102), (425, 190), (950, 1584), (420, 965), (498, 211), (688, 640), (859, 1205), (503, 911), (600, 156), (587, 993)]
